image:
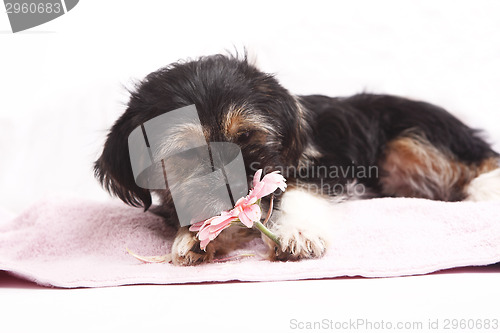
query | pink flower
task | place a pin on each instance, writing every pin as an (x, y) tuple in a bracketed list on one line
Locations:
[(270, 183), (211, 228), (245, 209)]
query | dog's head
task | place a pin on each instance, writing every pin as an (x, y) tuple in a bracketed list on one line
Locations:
[(236, 103)]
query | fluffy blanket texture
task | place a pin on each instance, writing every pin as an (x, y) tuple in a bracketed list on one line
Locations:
[(77, 243)]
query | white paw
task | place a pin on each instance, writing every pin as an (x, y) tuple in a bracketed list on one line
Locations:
[(300, 226), (296, 243), (485, 187), (186, 249)]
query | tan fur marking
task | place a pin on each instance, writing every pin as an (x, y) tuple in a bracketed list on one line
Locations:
[(238, 121), (233, 123), (413, 167), (488, 165)]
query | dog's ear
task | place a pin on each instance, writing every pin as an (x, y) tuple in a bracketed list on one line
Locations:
[(114, 170), (296, 128), (290, 114), (299, 130)]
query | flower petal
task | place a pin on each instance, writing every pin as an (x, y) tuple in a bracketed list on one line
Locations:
[(245, 220), (274, 178), (253, 213), (204, 233), (203, 244), (220, 219), (250, 215), (218, 231), (271, 182), (265, 189), (219, 227), (196, 226), (256, 177), (256, 192), (241, 201)]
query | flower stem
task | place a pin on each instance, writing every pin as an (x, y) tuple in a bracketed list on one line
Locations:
[(267, 232)]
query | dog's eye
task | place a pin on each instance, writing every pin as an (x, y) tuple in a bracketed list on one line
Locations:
[(245, 136)]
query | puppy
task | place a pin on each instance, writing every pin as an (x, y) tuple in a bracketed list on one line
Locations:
[(362, 146)]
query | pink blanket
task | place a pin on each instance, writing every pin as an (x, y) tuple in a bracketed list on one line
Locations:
[(83, 244)]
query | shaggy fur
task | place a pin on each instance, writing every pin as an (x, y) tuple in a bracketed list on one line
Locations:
[(340, 148)]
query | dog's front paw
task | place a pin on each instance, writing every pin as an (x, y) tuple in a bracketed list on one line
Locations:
[(186, 249), (296, 244)]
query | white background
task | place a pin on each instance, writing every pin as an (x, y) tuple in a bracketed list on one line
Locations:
[(62, 85)]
